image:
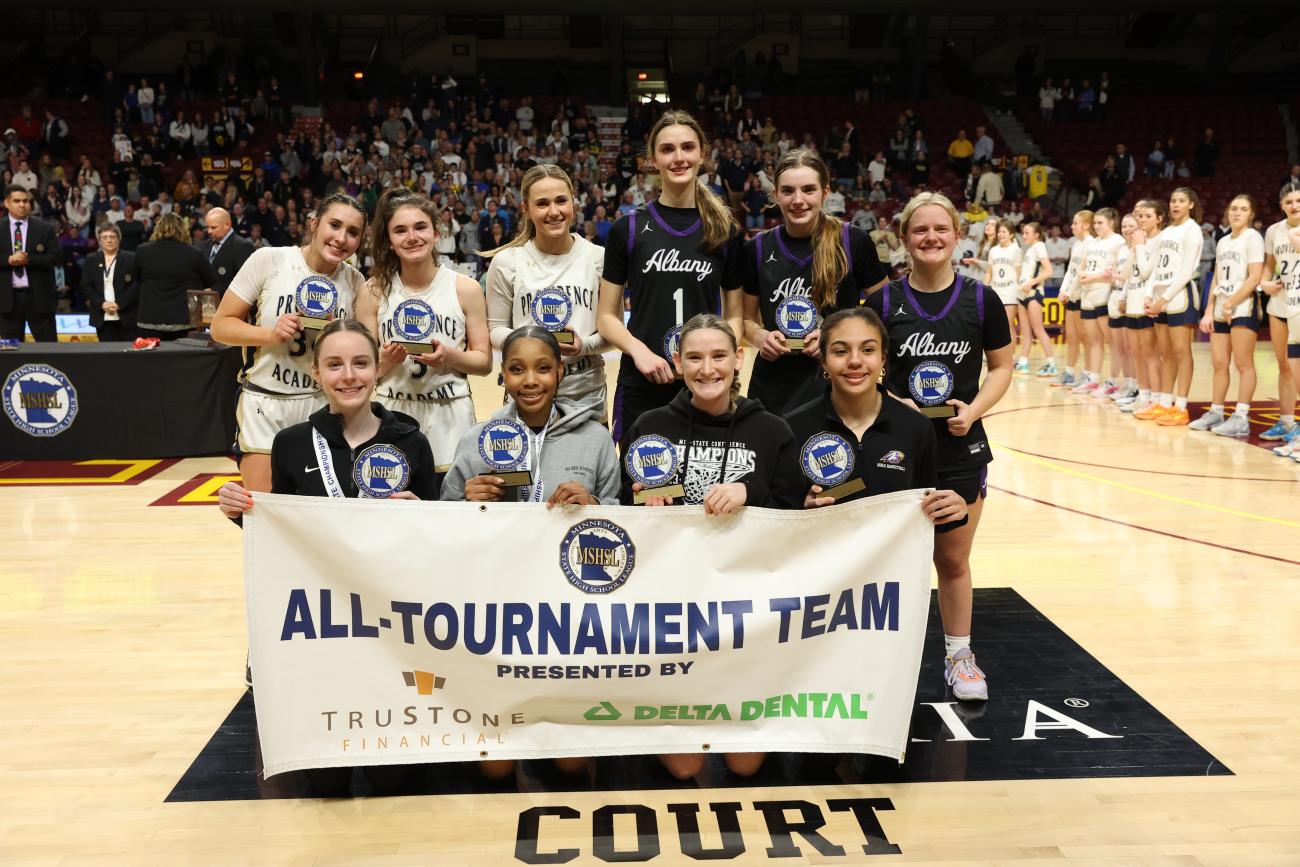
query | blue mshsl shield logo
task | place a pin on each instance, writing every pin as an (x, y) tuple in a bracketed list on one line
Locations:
[(672, 341), (597, 556), (413, 320), (316, 297), (381, 470), (827, 459), (552, 309), (40, 400), (796, 317), (930, 383), (503, 444), (652, 461)]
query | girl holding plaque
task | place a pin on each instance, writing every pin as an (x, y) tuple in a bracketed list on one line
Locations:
[(808, 267), (264, 310), (550, 277), (430, 320), (856, 441), (350, 447), (539, 447), (675, 257), (728, 447), (941, 327)]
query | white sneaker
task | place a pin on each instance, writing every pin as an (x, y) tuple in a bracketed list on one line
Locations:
[(1235, 426), (1084, 388), (1208, 420), (965, 677)]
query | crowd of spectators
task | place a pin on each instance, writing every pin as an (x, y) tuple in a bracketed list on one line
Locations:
[(463, 144)]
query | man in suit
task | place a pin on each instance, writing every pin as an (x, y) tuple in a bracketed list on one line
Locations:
[(225, 249), (29, 253), (108, 283)]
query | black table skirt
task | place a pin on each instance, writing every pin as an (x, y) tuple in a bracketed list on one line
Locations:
[(174, 401)]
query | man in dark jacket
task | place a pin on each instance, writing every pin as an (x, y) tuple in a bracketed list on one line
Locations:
[(225, 249), (29, 253)]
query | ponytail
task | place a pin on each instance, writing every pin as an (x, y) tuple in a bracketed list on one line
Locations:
[(830, 261), (719, 223)]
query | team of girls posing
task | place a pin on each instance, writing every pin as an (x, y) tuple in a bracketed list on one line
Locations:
[(1131, 286), (693, 286)]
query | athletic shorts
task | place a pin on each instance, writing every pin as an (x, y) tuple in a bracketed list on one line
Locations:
[(1135, 302), (1096, 297), (1247, 314), (442, 422), (260, 416), (1182, 309), (970, 484), (1093, 312), (1115, 306), (1137, 323), (1007, 294), (1073, 305), (1030, 299)]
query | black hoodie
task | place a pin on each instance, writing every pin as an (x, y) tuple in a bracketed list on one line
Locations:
[(295, 469), (750, 443)]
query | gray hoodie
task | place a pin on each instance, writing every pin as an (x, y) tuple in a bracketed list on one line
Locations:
[(577, 448)]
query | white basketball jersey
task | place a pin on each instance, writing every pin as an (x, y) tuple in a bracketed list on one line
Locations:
[(1233, 257), (1005, 262), (1033, 262), (269, 281), (1126, 270), (1070, 289), (1172, 245), (1102, 253), (1286, 265), (423, 316), (576, 274)]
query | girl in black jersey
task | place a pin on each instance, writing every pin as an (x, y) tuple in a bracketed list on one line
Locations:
[(941, 327), (811, 255), (677, 257), (894, 446)]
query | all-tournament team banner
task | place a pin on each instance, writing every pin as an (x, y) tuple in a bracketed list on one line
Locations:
[(390, 632)]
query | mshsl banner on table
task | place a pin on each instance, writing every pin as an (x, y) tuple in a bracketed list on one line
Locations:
[(389, 632)]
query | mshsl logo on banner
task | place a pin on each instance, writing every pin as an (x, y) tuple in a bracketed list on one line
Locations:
[(400, 632)]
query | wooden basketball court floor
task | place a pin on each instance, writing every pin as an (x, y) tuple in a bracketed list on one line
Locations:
[(1170, 559)]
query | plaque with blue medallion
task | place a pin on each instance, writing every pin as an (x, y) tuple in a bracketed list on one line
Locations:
[(796, 318), (552, 310), (317, 302), (652, 462), (381, 471), (503, 446), (930, 383), (827, 460), (412, 323)]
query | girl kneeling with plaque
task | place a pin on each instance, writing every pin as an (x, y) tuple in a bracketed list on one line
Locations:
[(708, 447), (942, 329), (349, 448), (430, 319), (856, 440), (538, 448)]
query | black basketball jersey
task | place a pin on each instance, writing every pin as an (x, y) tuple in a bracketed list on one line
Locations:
[(939, 356), (670, 278), (780, 273)]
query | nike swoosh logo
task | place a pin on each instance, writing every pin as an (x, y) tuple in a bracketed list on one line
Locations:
[(311, 469)]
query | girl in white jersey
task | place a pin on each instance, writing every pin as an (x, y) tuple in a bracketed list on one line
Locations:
[(261, 311), (411, 299), (988, 239), (1173, 302), (1035, 271), (544, 261), (1233, 319), (1151, 217), (1096, 280), (1122, 385), (1281, 265), (1071, 295), (1003, 274)]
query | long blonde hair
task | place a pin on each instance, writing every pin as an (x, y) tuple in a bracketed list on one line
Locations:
[(718, 220), (170, 227), (528, 231), (830, 261)]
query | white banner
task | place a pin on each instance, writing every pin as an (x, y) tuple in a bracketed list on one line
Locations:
[(394, 632)]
